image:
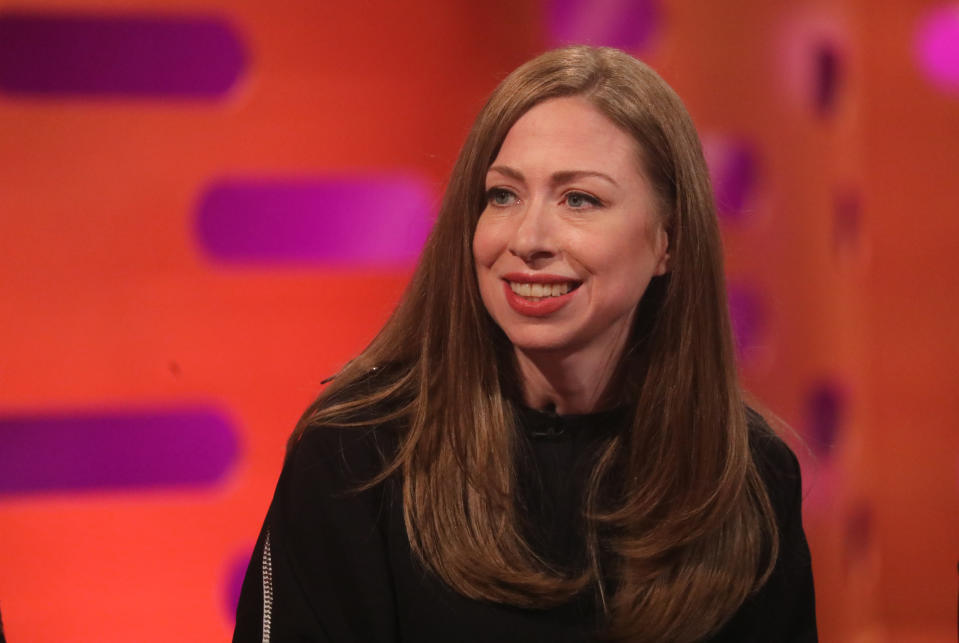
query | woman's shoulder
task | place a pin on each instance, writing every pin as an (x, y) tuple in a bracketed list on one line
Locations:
[(355, 453), (784, 608), (363, 434), (323, 550), (334, 471), (775, 460)]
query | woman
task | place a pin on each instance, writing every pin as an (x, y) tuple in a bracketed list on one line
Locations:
[(547, 440)]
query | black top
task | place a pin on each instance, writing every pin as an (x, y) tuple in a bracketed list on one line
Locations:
[(331, 565)]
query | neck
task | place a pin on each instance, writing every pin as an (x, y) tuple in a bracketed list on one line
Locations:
[(567, 382)]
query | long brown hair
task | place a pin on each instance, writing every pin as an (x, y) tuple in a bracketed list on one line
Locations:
[(676, 509)]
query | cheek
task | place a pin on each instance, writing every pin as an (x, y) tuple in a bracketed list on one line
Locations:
[(621, 263), (609, 251), (485, 244)]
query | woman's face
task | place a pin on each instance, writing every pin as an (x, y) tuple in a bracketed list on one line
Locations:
[(569, 238)]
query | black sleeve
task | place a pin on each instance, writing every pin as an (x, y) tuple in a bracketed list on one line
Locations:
[(320, 570), (791, 586), (784, 609)]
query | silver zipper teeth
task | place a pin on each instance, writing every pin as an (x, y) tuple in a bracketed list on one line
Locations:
[(266, 569)]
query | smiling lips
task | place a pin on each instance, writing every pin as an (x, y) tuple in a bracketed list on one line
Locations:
[(539, 295), (539, 290)]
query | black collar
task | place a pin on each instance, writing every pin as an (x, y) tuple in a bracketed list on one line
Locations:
[(548, 424)]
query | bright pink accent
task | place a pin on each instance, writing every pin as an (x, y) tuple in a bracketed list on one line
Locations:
[(937, 47), (545, 306)]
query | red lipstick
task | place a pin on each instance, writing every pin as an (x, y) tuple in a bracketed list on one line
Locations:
[(543, 306), (544, 278)]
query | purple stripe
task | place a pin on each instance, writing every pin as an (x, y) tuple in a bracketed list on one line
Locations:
[(829, 70), (114, 450), (825, 403), (748, 318), (44, 53), (733, 170), (626, 24), (846, 219), (351, 220), (859, 533)]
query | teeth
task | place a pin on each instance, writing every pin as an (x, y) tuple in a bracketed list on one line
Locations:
[(539, 291)]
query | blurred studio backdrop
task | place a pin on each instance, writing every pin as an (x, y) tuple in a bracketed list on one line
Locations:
[(207, 207)]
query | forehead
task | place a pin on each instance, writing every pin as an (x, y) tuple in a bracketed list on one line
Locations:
[(570, 134)]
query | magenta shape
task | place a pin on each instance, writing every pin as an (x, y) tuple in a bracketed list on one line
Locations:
[(748, 318), (123, 54), (733, 169), (937, 47), (847, 219), (828, 66), (115, 450), (825, 408), (363, 220), (233, 581), (859, 531), (625, 24)]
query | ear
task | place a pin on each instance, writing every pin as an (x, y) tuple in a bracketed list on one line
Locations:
[(661, 250)]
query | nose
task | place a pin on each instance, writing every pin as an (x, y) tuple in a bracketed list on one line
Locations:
[(534, 239)]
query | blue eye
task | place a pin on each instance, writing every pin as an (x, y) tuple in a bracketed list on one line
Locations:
[(579, 200), (500, 197)]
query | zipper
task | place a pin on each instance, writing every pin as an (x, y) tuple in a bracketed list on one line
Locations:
[(266, 570)]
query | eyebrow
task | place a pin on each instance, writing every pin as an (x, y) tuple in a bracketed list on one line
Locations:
[(558, 178)]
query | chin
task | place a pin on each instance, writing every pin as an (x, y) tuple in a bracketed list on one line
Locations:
[(540, 343)]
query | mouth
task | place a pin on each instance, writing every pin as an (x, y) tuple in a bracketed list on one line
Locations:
[(538, 291)]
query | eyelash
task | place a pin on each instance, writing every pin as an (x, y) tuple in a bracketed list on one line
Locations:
[(589, 199), (493, 193)]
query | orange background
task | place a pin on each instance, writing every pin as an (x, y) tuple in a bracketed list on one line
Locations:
[(106, 300)]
